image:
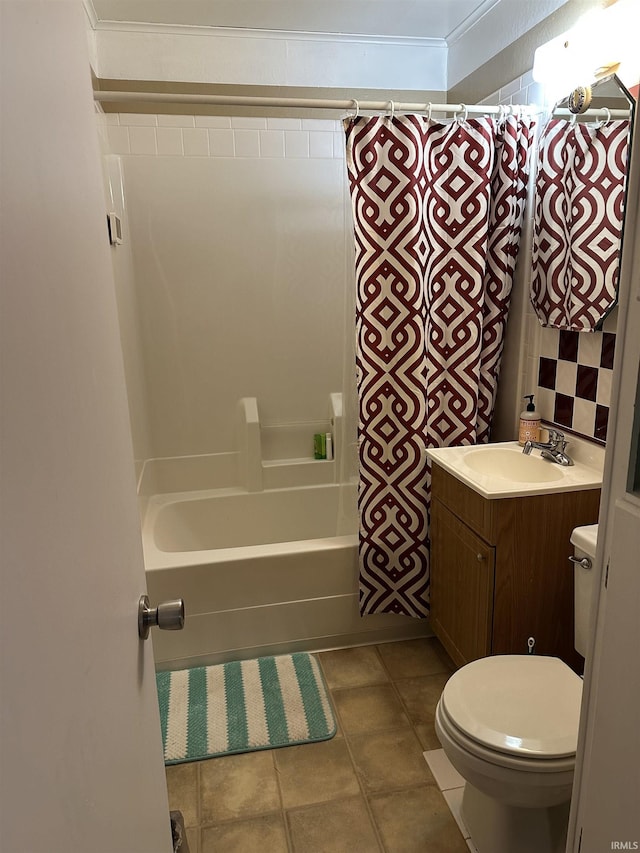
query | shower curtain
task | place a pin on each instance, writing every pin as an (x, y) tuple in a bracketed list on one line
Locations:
[(580, 185), (437, 216)]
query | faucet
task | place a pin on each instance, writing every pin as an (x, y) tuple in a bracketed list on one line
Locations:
[(553, 450)]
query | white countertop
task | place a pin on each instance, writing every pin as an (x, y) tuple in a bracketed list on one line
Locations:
[(509, 478)]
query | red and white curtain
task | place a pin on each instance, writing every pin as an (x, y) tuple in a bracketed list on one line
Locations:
[(437, 216), (580, 185)]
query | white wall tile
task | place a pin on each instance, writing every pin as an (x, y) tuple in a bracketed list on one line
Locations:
[(142, 140), (510, 88), (320, 144), (221, 143), (590, 348), (118, 139), (603, 394), (272, 143), (110, 118), (284, 124), (138, 119), (248, 123), (296, 143), (195, 141), (175, 121), (318, 124), (566, 374), (213, 121), (247, 143), (584, 417), (339, 150), (169, 141)]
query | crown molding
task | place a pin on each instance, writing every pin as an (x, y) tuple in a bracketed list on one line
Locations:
[(282, 35), (470, 21), (91, 13)]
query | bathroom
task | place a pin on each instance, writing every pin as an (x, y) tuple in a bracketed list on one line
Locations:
[(237, 352)]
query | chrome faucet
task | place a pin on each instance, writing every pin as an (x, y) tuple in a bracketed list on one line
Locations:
[(553, 450)]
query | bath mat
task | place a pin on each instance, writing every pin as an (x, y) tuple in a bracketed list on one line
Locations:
[(243, 706)]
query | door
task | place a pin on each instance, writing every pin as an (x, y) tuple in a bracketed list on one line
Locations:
[(81, 757), (605, 813)]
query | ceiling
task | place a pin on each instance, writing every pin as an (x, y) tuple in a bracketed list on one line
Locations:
[(393, 18)]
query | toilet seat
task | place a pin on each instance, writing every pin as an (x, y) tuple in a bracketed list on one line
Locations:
[(524, 707)]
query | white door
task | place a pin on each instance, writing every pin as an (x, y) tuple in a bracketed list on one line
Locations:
[(81, 758), (606, 814)]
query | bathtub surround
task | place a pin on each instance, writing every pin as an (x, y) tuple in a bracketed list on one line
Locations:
[(241, 263), (242, 707), (435, 256)]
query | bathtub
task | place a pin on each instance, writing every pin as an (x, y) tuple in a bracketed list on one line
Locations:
[(266, 572)]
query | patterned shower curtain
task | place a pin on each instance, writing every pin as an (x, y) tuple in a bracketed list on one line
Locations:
[(580, 186), (437, 217)]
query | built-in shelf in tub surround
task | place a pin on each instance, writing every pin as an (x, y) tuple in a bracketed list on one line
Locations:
[(502, 470)]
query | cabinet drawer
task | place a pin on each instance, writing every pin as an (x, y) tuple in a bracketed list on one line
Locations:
[(470, 507)]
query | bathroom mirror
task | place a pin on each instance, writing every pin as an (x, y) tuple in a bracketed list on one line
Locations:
[(579, 203)]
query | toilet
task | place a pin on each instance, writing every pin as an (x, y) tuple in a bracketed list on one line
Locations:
[(509, 725)]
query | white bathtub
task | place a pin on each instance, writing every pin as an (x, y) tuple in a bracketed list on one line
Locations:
[(261, 573)]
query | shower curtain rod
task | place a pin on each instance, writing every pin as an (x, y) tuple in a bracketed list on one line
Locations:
[(326, 104)]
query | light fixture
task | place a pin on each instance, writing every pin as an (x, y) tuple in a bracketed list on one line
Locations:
[(602, 42)]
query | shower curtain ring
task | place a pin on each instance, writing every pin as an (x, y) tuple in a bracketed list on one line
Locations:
[(357, 107), (608, 117), (393, 109), (465, 113), (429, 110)]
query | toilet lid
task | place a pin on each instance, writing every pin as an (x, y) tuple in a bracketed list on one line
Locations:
[(518, 704)]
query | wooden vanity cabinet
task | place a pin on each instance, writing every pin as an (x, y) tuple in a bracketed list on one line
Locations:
[(500, 570)]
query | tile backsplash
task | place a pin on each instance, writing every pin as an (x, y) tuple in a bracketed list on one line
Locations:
[(574, 380)]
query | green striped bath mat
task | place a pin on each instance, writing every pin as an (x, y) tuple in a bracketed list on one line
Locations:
[(243, 706)]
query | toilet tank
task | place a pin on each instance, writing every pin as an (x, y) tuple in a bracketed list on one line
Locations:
[(584, 541)]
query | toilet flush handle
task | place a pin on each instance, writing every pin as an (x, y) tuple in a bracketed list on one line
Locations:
[(583, 562)]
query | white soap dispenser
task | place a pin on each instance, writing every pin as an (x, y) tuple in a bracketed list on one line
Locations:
[(529, 422)]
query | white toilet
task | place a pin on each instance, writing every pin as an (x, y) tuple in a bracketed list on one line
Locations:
[(509, 725)]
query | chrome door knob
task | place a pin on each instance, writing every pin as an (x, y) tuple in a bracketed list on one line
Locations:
[(168, 616)]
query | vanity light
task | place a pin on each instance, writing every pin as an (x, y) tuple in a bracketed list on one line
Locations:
[(601, 41)]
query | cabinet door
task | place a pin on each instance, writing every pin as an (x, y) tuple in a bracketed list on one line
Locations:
[(462, 578)]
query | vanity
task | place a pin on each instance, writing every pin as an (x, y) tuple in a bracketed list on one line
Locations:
[(500, 545)]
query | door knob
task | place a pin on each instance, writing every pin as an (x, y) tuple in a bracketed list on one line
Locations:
[(168, 616)]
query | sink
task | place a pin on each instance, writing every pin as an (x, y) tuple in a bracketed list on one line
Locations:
[(502, 470), (511, 464)]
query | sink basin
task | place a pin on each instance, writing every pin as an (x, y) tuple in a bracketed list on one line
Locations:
[(512, 465), (502, 470)]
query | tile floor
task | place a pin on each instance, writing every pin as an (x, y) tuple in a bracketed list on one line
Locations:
[(367, 790)]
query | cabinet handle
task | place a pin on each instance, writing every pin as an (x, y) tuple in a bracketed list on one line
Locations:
[(480, 557)]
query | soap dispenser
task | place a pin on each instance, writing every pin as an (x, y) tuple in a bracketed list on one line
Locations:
[(529, 422)]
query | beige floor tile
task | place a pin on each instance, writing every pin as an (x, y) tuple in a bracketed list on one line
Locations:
[(353, 667), (417, 820), (427, 735), (193, 839), (369, 709), (182, 785), (412, 658), (315, 773), (238, 786), (421, 695), (388, 760), (264, 834), (338, 827)]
